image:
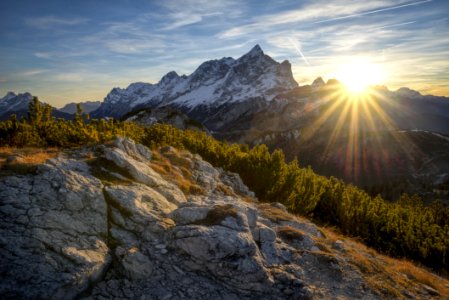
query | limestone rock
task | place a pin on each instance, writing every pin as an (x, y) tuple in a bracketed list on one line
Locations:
[(53, 229), (67, 234)]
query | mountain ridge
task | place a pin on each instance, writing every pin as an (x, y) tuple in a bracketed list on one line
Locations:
[(86, 106), (213, 83)]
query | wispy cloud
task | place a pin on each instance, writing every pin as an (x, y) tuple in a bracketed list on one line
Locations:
[(372, 12), (68, 77), (196, 11), (33, 72), (317, 13), (180, 19), (132, 46), (53, 21)]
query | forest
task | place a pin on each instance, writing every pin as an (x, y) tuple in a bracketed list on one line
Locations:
[(405, 228)]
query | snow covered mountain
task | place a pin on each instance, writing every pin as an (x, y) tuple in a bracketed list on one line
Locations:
[(13, 103), (17, 104), (216, 85)]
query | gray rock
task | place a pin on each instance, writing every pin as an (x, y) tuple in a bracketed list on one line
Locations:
[(188, 215), (135, 265), (143, 173), (53, 229), (137, 151)]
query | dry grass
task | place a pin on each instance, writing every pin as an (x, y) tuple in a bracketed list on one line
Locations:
[(385, 275), (175, 168), (248, 199), (225, 190), (23, 160), (275, 214), (290, 233)]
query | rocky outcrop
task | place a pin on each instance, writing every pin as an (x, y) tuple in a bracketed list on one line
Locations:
[(53, 232), (102, 223)]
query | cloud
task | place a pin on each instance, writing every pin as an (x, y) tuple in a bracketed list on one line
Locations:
[(196, 11), (132, 46), (181, 19), (316, 13), (33, 72), (68, 77), (45, 55), (52, 21)]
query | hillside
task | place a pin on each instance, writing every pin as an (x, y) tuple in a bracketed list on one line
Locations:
[(119, 220)]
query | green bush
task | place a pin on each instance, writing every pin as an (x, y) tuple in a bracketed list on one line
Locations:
[(406, 228)]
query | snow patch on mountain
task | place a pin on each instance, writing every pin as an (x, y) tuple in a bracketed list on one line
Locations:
[(213, 83)]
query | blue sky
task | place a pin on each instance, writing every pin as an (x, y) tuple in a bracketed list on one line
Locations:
[(66, 51)]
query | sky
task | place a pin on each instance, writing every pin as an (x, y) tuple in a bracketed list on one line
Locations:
[(71, 51)]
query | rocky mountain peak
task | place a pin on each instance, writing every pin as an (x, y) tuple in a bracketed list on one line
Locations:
[(214, 84), (318, 83), (255, 51), (167, 78), (14, 102), (8, 96)]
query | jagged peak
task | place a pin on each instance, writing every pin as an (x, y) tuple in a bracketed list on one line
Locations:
[(318, 82), (256, 51), (136, 86), (405, 91), (286, 63), (170, 75), (9, 95)]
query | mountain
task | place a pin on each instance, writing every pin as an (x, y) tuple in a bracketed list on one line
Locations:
[(217, 91), (121, 221), (12, 103), (88, 107), (18, 105)]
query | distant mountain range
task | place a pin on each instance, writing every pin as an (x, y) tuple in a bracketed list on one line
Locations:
[(18, 104), (254, 99), (216, 93), (87, 107)]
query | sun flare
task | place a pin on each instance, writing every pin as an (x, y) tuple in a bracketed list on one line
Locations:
[(359, 74)]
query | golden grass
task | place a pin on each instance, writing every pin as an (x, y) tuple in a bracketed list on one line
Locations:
[(275, 214), (385, 275), (25, 160), (225, 190), (175, 168), (290, 233)]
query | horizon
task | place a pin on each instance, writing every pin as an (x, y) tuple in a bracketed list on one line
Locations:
[(75, 56)]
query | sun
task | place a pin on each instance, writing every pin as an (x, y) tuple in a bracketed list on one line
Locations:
[(359, 74)]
